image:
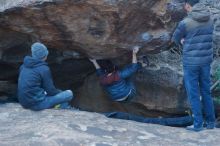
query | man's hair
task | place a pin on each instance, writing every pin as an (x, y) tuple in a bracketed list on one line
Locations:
[(107, 66), (192, 2)]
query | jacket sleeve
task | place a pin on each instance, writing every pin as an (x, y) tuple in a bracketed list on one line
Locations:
[(129, 70), (179, 33), (100, 72), (48, 84)]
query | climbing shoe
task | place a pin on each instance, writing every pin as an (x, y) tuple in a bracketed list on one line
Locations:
[(58, 106)]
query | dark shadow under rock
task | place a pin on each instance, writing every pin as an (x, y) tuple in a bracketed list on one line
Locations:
[(91, 97)]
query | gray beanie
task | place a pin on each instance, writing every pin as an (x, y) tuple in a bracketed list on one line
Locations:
[(39, 50)]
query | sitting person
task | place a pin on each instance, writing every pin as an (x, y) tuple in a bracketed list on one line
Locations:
[(36, 90), (117, 82)]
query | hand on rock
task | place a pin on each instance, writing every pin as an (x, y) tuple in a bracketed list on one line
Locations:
[(136, 49)]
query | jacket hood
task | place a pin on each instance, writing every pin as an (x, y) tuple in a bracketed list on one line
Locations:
[(31, 62), (200, 13)]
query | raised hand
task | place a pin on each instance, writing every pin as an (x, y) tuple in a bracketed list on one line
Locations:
[(94, 63), (136, 49)]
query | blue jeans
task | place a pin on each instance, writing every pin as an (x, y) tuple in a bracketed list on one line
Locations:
[(61, 98), (197, 82)]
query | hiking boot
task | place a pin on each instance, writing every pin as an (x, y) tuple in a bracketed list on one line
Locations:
[(210, 126), (195, 129)]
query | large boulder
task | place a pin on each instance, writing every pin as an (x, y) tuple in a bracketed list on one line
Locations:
[(97, 28), (77, 29)]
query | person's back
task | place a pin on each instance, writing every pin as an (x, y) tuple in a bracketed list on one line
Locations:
[(30, 89), (197, 30), (118, 84)]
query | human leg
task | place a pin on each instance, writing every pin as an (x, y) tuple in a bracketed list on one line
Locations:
[(50, 101), (208, 106), (191, 79)]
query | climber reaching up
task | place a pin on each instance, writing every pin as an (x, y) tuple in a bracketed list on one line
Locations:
[(116, 82)]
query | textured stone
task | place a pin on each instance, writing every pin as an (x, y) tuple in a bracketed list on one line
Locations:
[(97, 28), (63, 127)]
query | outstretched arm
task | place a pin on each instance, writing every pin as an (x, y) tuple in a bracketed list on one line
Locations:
[(95, 63), (131, 69), (134, 54), (179, 34), (99, 71)]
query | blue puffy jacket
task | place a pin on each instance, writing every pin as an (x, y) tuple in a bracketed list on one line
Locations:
[(35, 82), (123, 86), (197, 31)]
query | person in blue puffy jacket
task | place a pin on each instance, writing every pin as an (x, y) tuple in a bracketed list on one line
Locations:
[(195, 34), (36, 90), (116, 82)]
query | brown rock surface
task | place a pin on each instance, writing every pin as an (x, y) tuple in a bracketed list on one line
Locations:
[(97, 28)]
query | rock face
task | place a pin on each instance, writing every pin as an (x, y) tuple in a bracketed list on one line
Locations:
[(62, 127), (160, 86), (73, 29), (97, 28)]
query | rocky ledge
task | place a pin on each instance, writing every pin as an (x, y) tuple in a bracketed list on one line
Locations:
[(65, 127)]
